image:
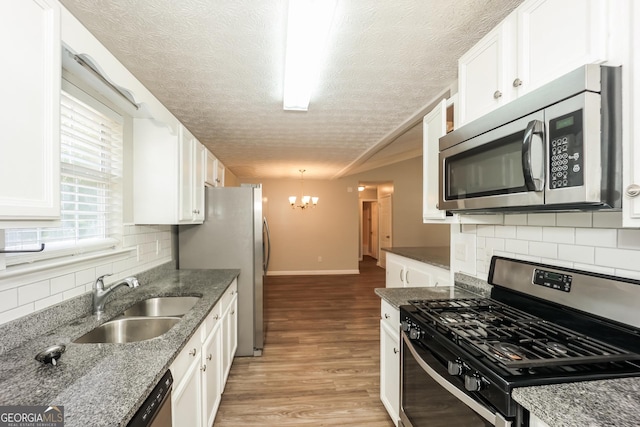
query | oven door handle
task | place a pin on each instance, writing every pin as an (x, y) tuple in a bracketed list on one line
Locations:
[(533, 172), (495, 419)]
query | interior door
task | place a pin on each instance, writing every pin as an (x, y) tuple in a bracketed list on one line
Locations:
[(385, 228)]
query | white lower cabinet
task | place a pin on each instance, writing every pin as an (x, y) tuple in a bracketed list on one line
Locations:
[(200, 370), (536, 422), (404, 272), (390, 359)]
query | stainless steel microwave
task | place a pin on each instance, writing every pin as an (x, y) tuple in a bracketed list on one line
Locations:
[(557, 148)]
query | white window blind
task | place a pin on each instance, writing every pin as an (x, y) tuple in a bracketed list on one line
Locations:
[(90, 185)]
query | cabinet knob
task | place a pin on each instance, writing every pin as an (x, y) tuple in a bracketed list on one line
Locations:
[(203, 368), (386, 316), (209, 356), (395, 350), (497, 94), (517, 82), (192, 352), (633, 190), (216, 317)]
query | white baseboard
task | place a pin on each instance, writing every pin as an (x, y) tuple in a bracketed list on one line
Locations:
[(311, 272)]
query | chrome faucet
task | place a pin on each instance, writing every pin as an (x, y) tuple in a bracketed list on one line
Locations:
[(100, 294)]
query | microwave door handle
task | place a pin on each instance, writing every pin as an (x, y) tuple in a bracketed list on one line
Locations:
[(533, 156)]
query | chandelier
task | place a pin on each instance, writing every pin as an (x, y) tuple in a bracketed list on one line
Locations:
[(304, 200)]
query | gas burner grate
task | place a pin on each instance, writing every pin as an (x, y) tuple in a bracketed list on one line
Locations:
[(513, 338)]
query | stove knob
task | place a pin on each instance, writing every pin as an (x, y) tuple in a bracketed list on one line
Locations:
[(414, 334), (405, 326), (455, 368), (473, 383)]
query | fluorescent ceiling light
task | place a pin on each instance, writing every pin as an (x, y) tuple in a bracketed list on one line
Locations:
[(307, 30)]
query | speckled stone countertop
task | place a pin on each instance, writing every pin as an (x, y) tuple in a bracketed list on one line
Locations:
[(105, 384), (608, 403), (438, 256), (400, 296)]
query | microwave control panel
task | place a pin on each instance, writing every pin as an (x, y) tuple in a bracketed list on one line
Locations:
[(566, 153)]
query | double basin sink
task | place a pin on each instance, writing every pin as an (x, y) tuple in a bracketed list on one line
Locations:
[(145, 320)]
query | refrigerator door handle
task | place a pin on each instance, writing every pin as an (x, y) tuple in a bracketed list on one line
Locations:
[(266, 255)]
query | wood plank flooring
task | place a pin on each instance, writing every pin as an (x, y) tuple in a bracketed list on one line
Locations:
[(320, 365)]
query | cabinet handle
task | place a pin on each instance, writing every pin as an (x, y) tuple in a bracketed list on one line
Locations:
[(633, 190), (233, 312), (407, 277), (395, 350), (209, 357), (216, 317), (203, 368), (517, 82), (401, 279), (386, 316), (192, 352), (497, 94)]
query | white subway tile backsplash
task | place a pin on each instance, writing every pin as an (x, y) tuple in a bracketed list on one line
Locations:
[(607, 219), (8, 299), (543, 249), (516, 246), (41, 290), (515, 219), (594, 268), (542, 219), (558, 234), (629, 239), (574, 219), (63, 283), (630, 274), (556, 262), (618, 258), (529, 233), (596, 237), (485, 230), (573, 253), (506, 232), (33, 292)]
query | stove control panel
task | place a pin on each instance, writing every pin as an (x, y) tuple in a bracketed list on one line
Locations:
[(411, 328), (553, 280)]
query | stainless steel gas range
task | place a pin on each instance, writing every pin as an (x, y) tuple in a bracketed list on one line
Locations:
[(461, 358)]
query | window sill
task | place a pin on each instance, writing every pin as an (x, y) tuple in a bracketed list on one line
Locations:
[(36, 267)]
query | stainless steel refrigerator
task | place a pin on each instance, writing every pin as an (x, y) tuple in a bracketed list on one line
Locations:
[(234, 235)]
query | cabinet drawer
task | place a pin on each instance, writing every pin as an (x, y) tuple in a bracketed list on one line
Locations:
[(389, 315), (225, 301), (190, 352), (211, 320)]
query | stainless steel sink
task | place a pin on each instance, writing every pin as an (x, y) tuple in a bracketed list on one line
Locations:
[(162, 306), (129, 329)]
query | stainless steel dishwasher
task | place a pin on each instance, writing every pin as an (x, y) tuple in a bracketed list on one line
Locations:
[(156, 410)]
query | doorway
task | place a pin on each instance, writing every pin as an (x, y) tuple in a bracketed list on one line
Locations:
[(370, 228), (375, 219)]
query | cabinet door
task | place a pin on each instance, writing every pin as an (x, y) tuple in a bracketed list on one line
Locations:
[(199, 165), (30, 111), (210, 174), (434, 126), (390, 370), (395, 272), (418, 275), (219, 173), (187, 149), (556, 37), (483, 72), (211, 376), (232, 331), (186, 398)]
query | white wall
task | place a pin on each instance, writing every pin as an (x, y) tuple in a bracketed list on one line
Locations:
[(30, 291), (585, 241)]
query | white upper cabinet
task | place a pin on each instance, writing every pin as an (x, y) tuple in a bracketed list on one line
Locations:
[(540, 41), (434, 126), (168, 175), (30, 112), (214, 171)]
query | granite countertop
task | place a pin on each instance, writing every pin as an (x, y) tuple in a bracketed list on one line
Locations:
[(607, 403), (105, 384), (438, 256), (401, 296)]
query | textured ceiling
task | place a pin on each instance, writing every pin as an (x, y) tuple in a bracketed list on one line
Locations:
[(218, 65)]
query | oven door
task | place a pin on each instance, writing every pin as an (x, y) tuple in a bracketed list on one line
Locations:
[(502, 168), (427, 399)]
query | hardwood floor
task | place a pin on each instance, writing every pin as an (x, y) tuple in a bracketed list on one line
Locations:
[(320, 365)]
